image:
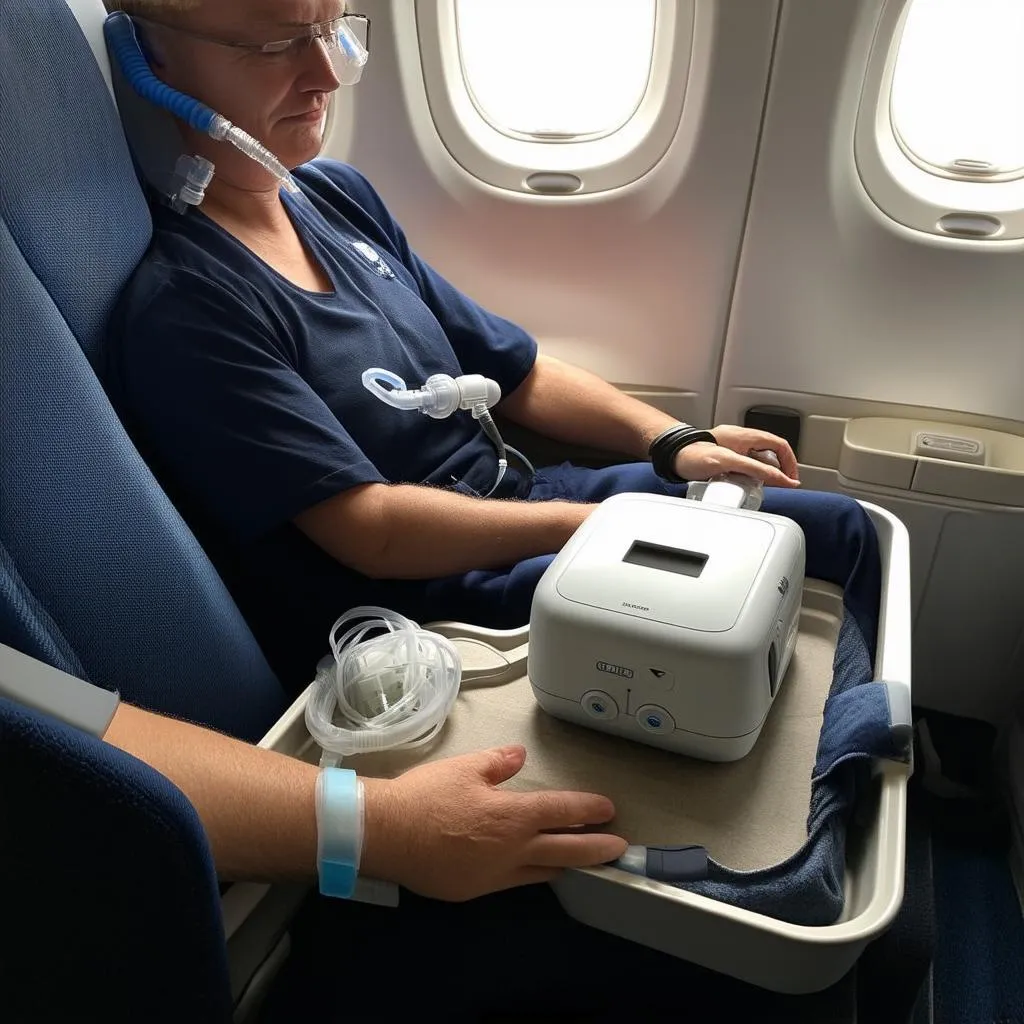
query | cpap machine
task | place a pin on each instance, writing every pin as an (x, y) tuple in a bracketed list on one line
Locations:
[(671, 621)]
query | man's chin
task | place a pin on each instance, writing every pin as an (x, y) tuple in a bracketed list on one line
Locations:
[(301, 147)]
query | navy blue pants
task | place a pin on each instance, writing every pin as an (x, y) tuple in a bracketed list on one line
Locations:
[(840, 543)]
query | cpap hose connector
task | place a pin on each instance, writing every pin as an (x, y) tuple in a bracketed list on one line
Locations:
[(734, 490), (440, 396), (193, 173)]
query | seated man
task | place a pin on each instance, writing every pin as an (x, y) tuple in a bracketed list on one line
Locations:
[(238, 348)]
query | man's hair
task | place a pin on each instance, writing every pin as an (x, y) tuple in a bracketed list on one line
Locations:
[(144, 7)]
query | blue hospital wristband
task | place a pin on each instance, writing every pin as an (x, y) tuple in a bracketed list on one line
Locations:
[(339, 830)]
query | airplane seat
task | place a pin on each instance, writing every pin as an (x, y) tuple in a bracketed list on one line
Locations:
[(108, 885), (93, 537), (99, 928)]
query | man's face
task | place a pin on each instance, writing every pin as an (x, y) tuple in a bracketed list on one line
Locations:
[(278, 98)]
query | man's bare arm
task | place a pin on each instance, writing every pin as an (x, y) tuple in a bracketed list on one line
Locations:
[(570, 404), (444, 829), (567, 403), (405, 531), (256, 805)]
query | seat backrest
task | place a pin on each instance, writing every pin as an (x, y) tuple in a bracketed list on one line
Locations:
[(110, 896), (105, 565)]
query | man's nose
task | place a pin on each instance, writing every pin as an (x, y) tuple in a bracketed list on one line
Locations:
[(319, 70)]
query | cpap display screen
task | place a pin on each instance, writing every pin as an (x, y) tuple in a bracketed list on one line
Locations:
[(657, 556)]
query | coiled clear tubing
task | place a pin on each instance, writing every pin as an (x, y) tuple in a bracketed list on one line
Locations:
[(392, 691)]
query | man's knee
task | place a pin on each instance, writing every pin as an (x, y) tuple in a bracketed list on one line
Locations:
[(816, 508)]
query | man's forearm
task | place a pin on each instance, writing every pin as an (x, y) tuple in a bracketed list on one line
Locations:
[(569, 404), (406, 531), (256, 806)]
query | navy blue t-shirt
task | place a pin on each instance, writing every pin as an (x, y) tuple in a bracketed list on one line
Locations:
[(244, 392)]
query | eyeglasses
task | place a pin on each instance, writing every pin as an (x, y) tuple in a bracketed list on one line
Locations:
[(347, 36)]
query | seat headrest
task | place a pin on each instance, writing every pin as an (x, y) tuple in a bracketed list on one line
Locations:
[(152, 134), (90, 14), (68, 189)]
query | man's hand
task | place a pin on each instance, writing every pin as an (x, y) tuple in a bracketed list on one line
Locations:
[(704, 460), (446, 831)]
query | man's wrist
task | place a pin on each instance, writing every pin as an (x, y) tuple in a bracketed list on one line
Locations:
[(340, 826), (664, 448)]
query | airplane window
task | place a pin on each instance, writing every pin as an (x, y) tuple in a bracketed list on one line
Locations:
[(556, 69), (957, 97)]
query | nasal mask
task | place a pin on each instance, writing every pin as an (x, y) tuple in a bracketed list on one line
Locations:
[(194, 173), (442, 395)]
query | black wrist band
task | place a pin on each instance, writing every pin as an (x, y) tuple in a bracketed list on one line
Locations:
[(664, 447)]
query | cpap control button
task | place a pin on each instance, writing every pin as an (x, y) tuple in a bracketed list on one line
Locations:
[(657, 678), (599, 704), (655, 719)]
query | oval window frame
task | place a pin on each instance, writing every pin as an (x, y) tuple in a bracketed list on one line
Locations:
[(600, 163)]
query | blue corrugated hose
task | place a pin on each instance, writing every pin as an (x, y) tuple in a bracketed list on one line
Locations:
[(120, 33)]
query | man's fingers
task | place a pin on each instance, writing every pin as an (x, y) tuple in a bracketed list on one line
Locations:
[(745, 440), (574, 850), (554, 809), (787, 461), (499, 764), (737, 463), (779, 447)]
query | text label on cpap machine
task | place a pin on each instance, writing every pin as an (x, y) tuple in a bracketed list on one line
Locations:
[(615, 670)]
